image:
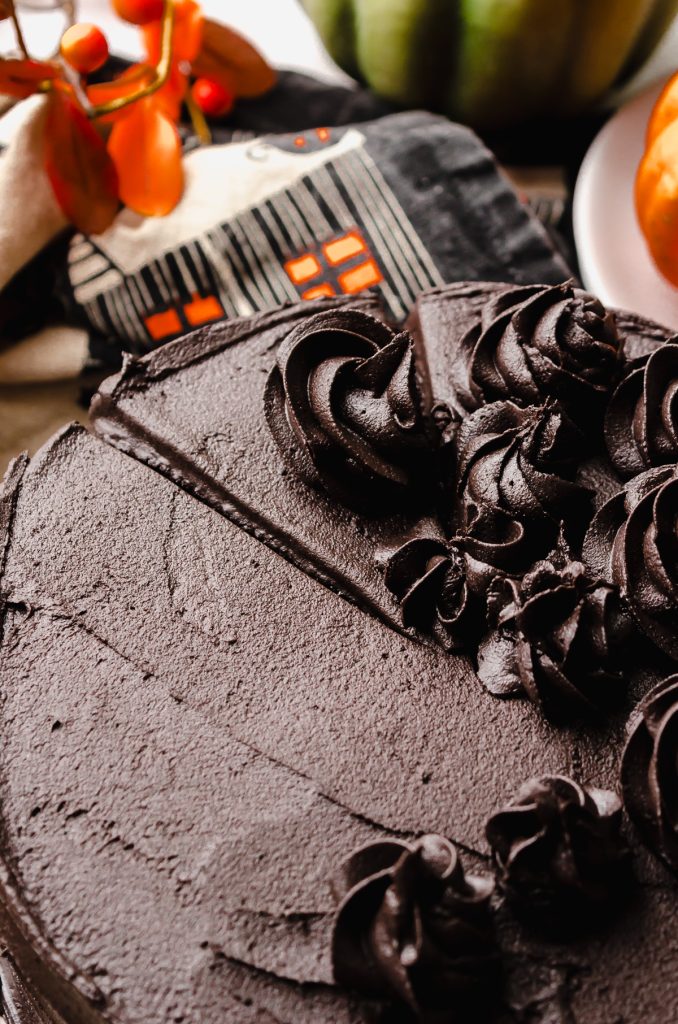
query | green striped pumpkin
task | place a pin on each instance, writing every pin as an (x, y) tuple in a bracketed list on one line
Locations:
[(491, 63)]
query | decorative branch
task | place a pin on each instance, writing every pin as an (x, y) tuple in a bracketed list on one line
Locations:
[(93, 160), (76, 84), (17, 30), (198, 120), (161, 71)]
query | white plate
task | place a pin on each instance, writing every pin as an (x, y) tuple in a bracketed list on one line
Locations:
[(613, 257)]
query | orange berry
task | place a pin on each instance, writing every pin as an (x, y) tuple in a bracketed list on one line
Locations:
[(84, 47), (213, 99), (139, 12)]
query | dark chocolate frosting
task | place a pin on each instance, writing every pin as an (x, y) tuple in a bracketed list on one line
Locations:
[(641, 424), (633, 542), (343, 406), (558, 848), (412, 927), (555, 636), (18, 1003), (428, 576), (650, 770), (238, 746), (536, 343), (515, 497)]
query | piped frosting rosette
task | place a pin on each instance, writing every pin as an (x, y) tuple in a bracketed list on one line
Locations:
[(538, 343), (344, 408)]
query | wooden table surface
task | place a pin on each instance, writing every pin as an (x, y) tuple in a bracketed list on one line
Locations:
[(30, 414)]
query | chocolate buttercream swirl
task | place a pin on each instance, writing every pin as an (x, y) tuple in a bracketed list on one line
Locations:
[(343, 406), (641, 424), (428, 576), (516, 501), (555, 637), (558, 850), (411, 927), (649, 771), (537, 343), (633, 542)]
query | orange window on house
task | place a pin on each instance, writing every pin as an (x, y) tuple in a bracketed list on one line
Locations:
[(203, 311), (304, 268), (321, 291), (162, 325), (345, 248), (364, 276)]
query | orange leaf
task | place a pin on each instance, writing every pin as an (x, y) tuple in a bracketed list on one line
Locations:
[(170, 96), (21, 78), (146, 150), (79, 168), (228, 58)]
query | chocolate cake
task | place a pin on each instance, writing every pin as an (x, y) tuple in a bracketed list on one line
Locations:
[(337, 675)]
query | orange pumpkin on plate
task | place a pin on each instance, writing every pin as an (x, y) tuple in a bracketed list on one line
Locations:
[(656, 190)]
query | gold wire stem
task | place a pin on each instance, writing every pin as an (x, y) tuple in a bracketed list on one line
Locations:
[(161, 70), (18, 30), (198, 120)]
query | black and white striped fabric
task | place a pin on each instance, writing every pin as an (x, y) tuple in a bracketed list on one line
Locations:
[(401, 203), (242, 258)]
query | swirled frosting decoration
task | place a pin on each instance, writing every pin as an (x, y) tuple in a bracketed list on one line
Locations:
[(343, 406), (412, 927), (641, 424), (558, 849), (650, 771), (555, 637), (428, 577), (538, 343), (515, 498), (633, 542)]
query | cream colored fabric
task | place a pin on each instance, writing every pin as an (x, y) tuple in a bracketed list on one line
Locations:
[(55, 353), (29, 219), (29, 214)]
